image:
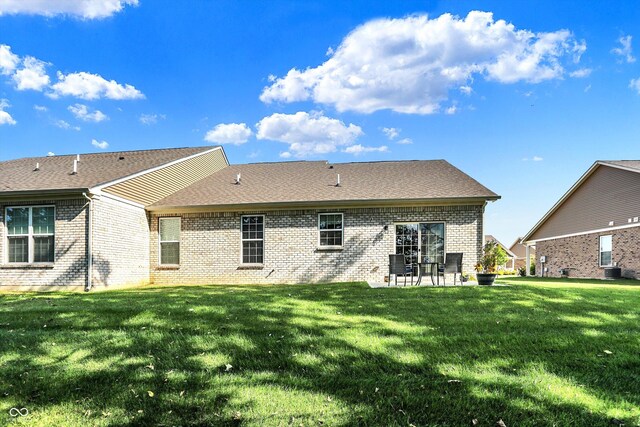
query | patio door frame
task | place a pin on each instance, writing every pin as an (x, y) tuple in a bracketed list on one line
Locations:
[(444, 235)]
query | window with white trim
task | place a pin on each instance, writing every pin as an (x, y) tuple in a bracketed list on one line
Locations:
[(330, 230), (252, 230), (606, 246), (169, 230), (30, 234)]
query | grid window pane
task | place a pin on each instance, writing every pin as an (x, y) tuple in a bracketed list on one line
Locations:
[(170, 253), (43, 249), (407, 242), (252, 252), (18, 249), (169, 229), (17, 221), (330, 228), (252, 232), (43, 220)]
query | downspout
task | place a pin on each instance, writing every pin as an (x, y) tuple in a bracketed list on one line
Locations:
[(89, 244)]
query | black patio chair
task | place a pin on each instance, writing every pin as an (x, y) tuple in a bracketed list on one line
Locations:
[(452, 264), (397, 267)]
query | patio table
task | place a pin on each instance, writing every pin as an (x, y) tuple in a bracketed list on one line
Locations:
[(434, 268)]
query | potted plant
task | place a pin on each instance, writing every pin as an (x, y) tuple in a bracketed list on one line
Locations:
[(492, 256)]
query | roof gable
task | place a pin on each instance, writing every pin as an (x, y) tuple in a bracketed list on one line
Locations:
[(55, 172), (604, 196)]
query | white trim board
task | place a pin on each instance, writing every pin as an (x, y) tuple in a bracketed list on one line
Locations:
[(582, 233)]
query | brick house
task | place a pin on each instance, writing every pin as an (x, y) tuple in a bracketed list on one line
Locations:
[(594, 226), (178, 216)]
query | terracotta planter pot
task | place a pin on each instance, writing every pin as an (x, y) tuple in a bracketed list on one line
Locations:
[(486, 279)]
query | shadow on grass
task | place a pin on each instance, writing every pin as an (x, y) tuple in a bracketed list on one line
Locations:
[(322, 354)]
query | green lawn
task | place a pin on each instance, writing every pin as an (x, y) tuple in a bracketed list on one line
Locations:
[(537, 352)]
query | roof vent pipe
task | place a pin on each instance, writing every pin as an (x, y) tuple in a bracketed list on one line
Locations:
[(77, 157), (338, 181), (238, 178), (37, 167), (75, 167)]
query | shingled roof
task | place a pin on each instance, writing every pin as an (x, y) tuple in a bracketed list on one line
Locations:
[(55, 172), (308, 182)]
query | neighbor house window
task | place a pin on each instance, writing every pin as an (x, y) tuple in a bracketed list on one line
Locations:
[(252, 227), (330, 229), (169, 241), (30, 234), (605, 251)]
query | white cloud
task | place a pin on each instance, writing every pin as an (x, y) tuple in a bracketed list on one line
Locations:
[(5, 118), (625, 51), (51, 154), (86, 9), (285, 155), (41, 108), (307, 134), (92, 86), (451, 110), (409, 65), (32, 75), (537, 159), (8, 60), (103, 145), (466, 89), (405, 141), (82, 112), (360, 149), (587, 89), (151, 119), (391, 133), (64, 125), (581, 73), (229, 133), (634, 84)]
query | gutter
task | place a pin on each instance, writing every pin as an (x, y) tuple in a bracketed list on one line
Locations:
[(364, 203), (89, 243)]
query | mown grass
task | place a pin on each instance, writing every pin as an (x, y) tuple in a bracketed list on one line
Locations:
[(538, 352)]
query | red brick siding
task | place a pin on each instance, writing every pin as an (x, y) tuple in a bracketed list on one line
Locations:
[(580, 253)]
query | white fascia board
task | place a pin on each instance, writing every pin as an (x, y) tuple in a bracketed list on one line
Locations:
[(582, 233), (111, 197)]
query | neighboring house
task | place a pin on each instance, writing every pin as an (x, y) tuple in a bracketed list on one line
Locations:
[(520, 252), (594, 225), (510, 264), (186, 216)]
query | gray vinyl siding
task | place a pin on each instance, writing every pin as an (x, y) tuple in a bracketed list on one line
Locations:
[(151, 187), (609, 194)]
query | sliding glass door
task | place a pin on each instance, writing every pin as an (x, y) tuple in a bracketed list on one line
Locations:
[(420, 240)]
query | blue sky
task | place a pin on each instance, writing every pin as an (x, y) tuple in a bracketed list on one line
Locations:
[(523, 96)]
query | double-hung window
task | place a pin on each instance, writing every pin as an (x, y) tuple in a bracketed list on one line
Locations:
[(252, 229), (330, 230), (605, 251), (169, 241), (30, 234)]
